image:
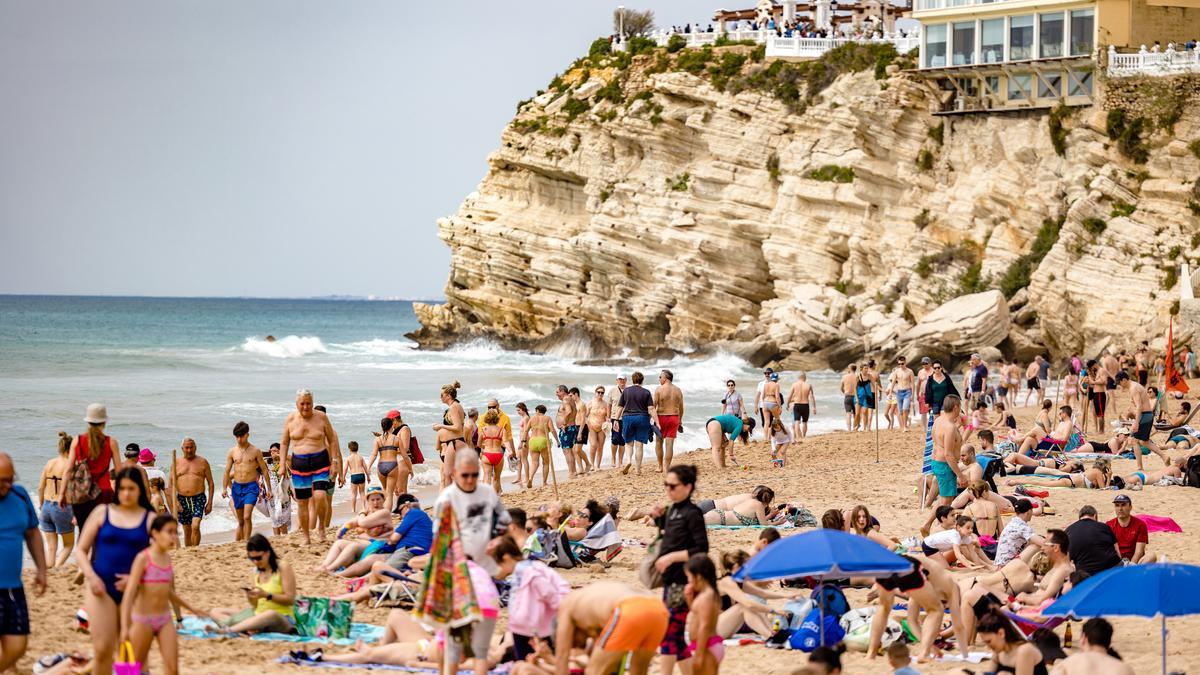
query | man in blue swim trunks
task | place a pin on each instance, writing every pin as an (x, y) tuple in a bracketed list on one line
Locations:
[(568, 429), (947, 446), (1141, 413), (634, 414), (244, 465)]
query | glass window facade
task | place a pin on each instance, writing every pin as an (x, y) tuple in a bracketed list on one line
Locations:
[(1081, 83), (1050, 86), (1019, 86), (1020, 38), (991, 47), (935, 46), (1050, 40), (1083, 29), (964, 43)]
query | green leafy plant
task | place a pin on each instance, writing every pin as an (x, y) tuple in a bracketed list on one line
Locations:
[(773, 166), (1094, 226), (973, 281), (574, 107), (925, 160), (1174, 253), (1170, 278), (611, 92), (922, 219), (1194, 147), (675, 43), (1122, 209), (694, 60), (600, 47), (937, 133), (1058, 130), (639, 45), (967, 252), (1128, 135), (832, 173), (1194, 207), (679, 183), (1018, 274), (729, 66)]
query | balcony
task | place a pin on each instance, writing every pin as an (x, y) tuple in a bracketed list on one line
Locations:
[(812, 48), (927, 5), (1163, 63)]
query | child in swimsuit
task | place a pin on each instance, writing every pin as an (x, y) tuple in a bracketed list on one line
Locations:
[(150, 598), (704, 606), (780, 440), (356, 469)]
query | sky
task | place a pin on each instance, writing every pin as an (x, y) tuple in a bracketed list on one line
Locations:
[(267, 148)]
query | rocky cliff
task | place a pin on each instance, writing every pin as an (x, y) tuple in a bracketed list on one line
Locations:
[(802, 214)]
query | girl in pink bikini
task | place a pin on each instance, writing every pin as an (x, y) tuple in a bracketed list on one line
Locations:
[(150, 599)]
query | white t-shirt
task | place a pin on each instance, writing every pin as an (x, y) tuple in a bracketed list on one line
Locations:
[(1013, 538), (759, 390), (479, 515), (944, 540), (781, 437), (153, 472)]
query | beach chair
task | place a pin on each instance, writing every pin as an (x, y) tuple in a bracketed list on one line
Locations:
[(602, 542), (1029, 624), (403, 589)]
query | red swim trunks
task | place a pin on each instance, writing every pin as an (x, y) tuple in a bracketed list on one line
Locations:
[(669, 424)]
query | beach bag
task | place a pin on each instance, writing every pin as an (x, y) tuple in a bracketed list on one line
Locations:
[(648, 574), (808, 637), (414, 447), (323, 617), (1191, 471), (126, 664), (560, 546), (78, 486), (830, 598), (857, 624)]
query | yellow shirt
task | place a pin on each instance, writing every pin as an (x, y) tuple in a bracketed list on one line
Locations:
[(506, 425), (274, 586)]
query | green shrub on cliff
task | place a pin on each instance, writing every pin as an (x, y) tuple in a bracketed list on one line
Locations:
[(1058, 131), (574, 107), (679, 183), (1018, 273), (611, 92), (1128, 134), (1194, 146), (797, 84), (1121, 209), (1094, 226), (729, 66), (675, 43), (832, 173), (600, 47), (924, 160), (694, 60)]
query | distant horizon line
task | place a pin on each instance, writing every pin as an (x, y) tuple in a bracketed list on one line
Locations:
[(330, 298)]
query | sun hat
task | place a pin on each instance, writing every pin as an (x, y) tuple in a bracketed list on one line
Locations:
[(97, 413), (146, 456), (374, 489)]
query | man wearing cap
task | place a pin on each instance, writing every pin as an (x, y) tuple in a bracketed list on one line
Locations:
[(1141, 413), (1093, 544), (412, 537), (976, 379), (133, 452), (1017, 535), (18, 524), (618, 439), (1131, 532), (668, 400)]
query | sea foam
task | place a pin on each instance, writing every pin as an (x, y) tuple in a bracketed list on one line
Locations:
[(292, 346)]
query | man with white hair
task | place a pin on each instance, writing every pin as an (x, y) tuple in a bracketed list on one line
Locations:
[(18, 521), (310, 460), (477, 508)]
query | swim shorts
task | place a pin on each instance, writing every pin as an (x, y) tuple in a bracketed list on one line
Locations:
[(1099, 401), (243, 494), (310, 472), (191, 507), (14, 613), (800, 412), (617, 437), (567, 435), (55, 518), (637, 624), (669, 424), (358, 479), (848, 403), (1143, 377), (1033, 383), (1145, 426), (904, 399), (636, 428), (946, 480)]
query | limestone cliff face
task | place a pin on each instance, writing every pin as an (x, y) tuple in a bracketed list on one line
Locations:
[(687, 220)]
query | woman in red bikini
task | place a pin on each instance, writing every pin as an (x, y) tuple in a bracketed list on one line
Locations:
[(491, 448)]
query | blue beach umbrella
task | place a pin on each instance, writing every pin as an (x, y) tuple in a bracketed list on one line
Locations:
[(1162, 590), (823, 554)]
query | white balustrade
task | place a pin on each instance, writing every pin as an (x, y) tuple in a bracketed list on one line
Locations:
[(1161, 63), (923, 5), (815, 47)]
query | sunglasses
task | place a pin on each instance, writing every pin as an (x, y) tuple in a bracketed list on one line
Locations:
[(470, 475), (256, 556), (599, 391), (671, 486), (937, 367), (493, 407)]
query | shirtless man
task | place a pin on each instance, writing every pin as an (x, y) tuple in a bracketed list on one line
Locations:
[(1098, 379), (804, 403), (1055, 546), (923, 374), (1033, 384), (188, 480), (1141, 413), (1013, 373), (243, 466), (947, 442), (310, 461), (581, 440), (1141, 365), (620, 618), (321, 512), (1055, 440), (902, 385), (847, 388), (618, 441), (1095, 655), (539, 433), (668, 399), (598, 411), (568, 430), (930, 588)]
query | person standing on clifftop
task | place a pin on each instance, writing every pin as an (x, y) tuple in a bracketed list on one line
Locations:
[(618, 439), (668, 400), (847, 387), (634, 414), (902, 385)]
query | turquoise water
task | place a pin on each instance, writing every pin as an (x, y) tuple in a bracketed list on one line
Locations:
[(171, 368)]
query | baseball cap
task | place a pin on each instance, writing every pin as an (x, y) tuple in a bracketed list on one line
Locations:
[(621, 376), (374, 489), (926, 359), (768, 371), (393, 414), (1122, 499), (406, 498), (146, 456), (133, 450), (1023, 506)]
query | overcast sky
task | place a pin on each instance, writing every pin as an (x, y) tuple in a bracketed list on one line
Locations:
[(261, 147)]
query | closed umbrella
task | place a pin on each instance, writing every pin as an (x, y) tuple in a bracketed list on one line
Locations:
[(1162, 590), (823, 554)]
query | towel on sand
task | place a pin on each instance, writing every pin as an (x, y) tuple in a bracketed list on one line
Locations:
[(196, 627), (1159, 523), (498, 670)]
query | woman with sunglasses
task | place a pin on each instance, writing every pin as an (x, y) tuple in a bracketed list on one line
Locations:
[(938, 386), (598, 412), (683, 535), (271, 597)]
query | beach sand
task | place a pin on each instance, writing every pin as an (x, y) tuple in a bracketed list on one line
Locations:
[(831, 471)]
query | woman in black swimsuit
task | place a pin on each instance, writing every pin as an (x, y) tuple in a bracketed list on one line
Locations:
[(450, 431), (1011, 653)]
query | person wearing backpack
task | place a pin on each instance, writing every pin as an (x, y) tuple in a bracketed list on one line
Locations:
[(93, 459)]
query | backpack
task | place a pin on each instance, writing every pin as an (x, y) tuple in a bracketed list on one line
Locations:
[(1191, 471), (808, 637), (564, 557), (828, 596), (414, 447), (78, 486)]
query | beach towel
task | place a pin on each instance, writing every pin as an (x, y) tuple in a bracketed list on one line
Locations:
[(198, 628), (602, 535), (972, 657), (498, 670), (1159, 523), (785, 526), (446, 598)]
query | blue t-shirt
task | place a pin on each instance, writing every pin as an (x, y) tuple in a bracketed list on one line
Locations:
[(16, 517), (730, 424), (415, 530), (978, 377)]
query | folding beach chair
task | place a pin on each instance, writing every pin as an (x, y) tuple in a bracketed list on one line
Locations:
[(401, 588)]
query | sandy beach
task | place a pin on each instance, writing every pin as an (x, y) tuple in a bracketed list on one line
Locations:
[(837, 470)]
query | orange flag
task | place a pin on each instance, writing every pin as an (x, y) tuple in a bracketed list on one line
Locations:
[(1175, 381)]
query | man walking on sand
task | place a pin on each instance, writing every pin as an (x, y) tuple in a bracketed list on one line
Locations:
[(322, 512), (758, 397), (848, 388), (193, 487), (310, 460), (1033, 383), (804, 403), (568, 430), (618, 440), (1141, 414), (18, 523), (243, 466), (902, 383), (947, 445), (668, 400), (634, 414)]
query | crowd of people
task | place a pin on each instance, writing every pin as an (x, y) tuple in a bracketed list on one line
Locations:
[(119, 517)]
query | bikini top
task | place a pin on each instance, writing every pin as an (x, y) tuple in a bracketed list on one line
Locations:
[(389, 436), (155, 574), (485, 436)]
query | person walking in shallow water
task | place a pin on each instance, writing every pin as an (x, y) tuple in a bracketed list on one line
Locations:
[(310, 460)]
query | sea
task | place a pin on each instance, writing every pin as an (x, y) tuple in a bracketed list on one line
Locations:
[(170, 368)]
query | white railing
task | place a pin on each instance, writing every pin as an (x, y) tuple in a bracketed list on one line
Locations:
[(815, 47), (1144, 62), (923, 5), (699, 39)]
